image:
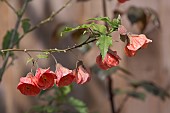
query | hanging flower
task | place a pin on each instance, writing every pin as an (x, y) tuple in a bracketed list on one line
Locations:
[(135, 43), (122, 1), (64, 76), (81, 74), (110, 60), (44, 78), (27, 86)]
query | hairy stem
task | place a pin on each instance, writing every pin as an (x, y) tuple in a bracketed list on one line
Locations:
[(52, 50)]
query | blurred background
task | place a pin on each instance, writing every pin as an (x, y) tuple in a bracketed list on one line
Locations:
[(150, 17)]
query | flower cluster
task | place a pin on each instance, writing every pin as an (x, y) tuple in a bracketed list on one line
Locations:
[(134, 43), (45, 78)]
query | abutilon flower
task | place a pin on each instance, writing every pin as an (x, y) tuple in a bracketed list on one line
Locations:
[(122, 1), (136, 42), (44, 78), (110, 60), (64, 76), (27, 86), (81, 73)]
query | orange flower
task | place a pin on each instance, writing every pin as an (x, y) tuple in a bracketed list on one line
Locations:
[(27, 86), (135, 43), (44, 78), (111, 59), (81, 74), (64, 76)]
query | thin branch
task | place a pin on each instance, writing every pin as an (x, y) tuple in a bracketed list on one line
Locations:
[(111, 94), (122, 104), (12, 38), (54, 58), (51, 50), (9, 5), (20, 14), (48, 19)]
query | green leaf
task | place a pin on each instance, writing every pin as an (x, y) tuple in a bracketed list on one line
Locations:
[(42, 56), (137, 95), (49, 109), (79, 105), (100, 28), (118, 91), (37, 108), (66, 90), (30, 60), (134, 94), (152, 88), (115, 23), (26, 25), (7, 39), (103, 43), (105, 19), (69, 29)]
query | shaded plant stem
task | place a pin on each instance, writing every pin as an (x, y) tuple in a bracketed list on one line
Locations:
[(12, 37), (20, 15), (51, 50), (48, 19), (122, 104), (111, 94), (9, 5)]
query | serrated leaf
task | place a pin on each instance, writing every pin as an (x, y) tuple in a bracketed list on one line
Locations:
[(26, 25), (103, 43), (29, 60), (137, 95), (42, 56), (105, 19), (115, 23), (79, 105), (69, 29), (100, 28)]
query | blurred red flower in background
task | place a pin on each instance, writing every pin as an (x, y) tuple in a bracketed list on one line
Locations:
[(122, 1)]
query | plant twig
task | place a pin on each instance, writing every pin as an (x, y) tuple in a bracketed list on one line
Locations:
[(122, 104), (111, 94), (51, 50), (48, 19), (9, 5), (12, 38)]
